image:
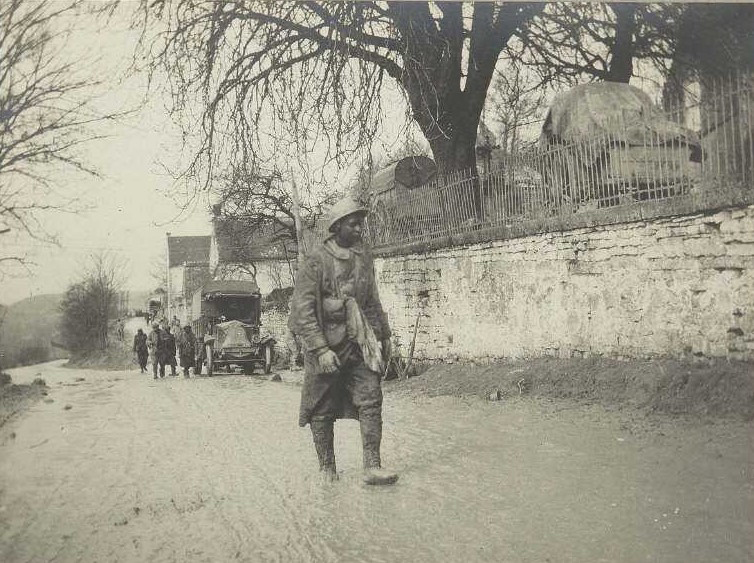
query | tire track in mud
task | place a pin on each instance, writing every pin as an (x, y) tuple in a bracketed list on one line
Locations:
[(218, 470), (252, 451), (267, 479)]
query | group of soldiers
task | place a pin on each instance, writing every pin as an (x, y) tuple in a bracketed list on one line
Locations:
[(161, 345)]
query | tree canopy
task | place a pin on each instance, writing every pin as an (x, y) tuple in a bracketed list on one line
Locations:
[(45, 116), (315, 71), (89, 305), (307, 78)]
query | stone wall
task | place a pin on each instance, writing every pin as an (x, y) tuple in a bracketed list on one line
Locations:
[(275, 322), (667, 287)]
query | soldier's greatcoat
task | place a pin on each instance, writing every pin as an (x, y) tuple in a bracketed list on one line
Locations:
[(187, 349), (330, 275)]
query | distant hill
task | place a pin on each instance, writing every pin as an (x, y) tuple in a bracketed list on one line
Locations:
[(29, 327)]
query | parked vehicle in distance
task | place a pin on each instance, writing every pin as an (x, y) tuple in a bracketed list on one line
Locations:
[(228, 327)]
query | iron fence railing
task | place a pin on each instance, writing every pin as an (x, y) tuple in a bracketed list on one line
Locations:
[(623, 171)]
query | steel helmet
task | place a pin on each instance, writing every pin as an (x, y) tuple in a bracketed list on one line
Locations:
[(343, 208)]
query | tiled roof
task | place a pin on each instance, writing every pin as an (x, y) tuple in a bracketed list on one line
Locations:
[(239, 243), (188, 249)]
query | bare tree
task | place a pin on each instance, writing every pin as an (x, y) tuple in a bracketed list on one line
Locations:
[(713, 40), (569, 42), (158, 271), (313, 72), (89, 305), (45, 117), (516, 104), (255, 214)]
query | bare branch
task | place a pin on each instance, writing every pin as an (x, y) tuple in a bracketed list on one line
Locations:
[(45, 114)]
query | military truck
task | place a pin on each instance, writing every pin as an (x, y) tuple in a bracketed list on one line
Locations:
[(228, 329)]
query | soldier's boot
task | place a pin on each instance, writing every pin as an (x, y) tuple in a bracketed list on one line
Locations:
[(323, 436), (370, 421)]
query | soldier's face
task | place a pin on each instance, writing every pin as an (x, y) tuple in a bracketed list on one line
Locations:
[(350, 230)]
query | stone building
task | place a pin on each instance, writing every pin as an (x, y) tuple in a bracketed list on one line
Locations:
[(188, 269)]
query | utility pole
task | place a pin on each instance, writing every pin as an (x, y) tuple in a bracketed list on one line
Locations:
[(167, 274), (297, 221)]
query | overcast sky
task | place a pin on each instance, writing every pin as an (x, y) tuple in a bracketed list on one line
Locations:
[(129, 210), (129, 207)]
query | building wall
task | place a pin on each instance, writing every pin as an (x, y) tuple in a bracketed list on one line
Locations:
[(668, 287), (271, 274), (275, 322), (177, 302)]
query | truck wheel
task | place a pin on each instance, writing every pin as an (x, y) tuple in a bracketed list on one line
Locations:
[(267, 359), (210, 360), (248, 369)]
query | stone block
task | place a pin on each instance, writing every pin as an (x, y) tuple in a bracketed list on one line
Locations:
[(740, 249)]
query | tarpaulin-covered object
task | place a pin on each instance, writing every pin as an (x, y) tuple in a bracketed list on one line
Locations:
[(232, 334), (606, 141), (623, 112), (404, 174)]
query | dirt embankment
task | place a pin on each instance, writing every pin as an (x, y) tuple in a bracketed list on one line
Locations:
[(713, 388), (118, 356), (15, 398), (115, 358)]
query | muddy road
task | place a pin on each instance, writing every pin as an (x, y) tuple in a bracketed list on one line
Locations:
[(116, 466)]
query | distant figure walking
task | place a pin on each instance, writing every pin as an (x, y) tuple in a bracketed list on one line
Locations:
[(168, 352), (154, 343), (187, 350), (141, 349)]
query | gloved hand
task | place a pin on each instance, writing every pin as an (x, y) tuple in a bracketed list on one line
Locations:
[(387, 350), (328, 361)]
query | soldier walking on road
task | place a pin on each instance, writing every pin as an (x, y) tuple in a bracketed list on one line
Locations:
[(168, 352), (140, 347), (154, 343), (337, 313), (187, 350)]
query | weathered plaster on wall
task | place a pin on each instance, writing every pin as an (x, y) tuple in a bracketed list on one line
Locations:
[(666, 287)]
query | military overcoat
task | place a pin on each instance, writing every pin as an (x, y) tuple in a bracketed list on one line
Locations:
[(328, 276)]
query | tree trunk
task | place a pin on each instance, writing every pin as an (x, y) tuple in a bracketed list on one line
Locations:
[(458, 154), (621, 62), (674, 93), (296, 210)]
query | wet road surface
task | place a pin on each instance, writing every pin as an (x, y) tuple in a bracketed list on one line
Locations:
[(216, 469)]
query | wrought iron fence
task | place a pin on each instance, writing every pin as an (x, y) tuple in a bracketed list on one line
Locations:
[(629, 169)]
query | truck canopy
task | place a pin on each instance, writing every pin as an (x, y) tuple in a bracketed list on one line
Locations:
[(407, 173), (233, 299), (229, 287)]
